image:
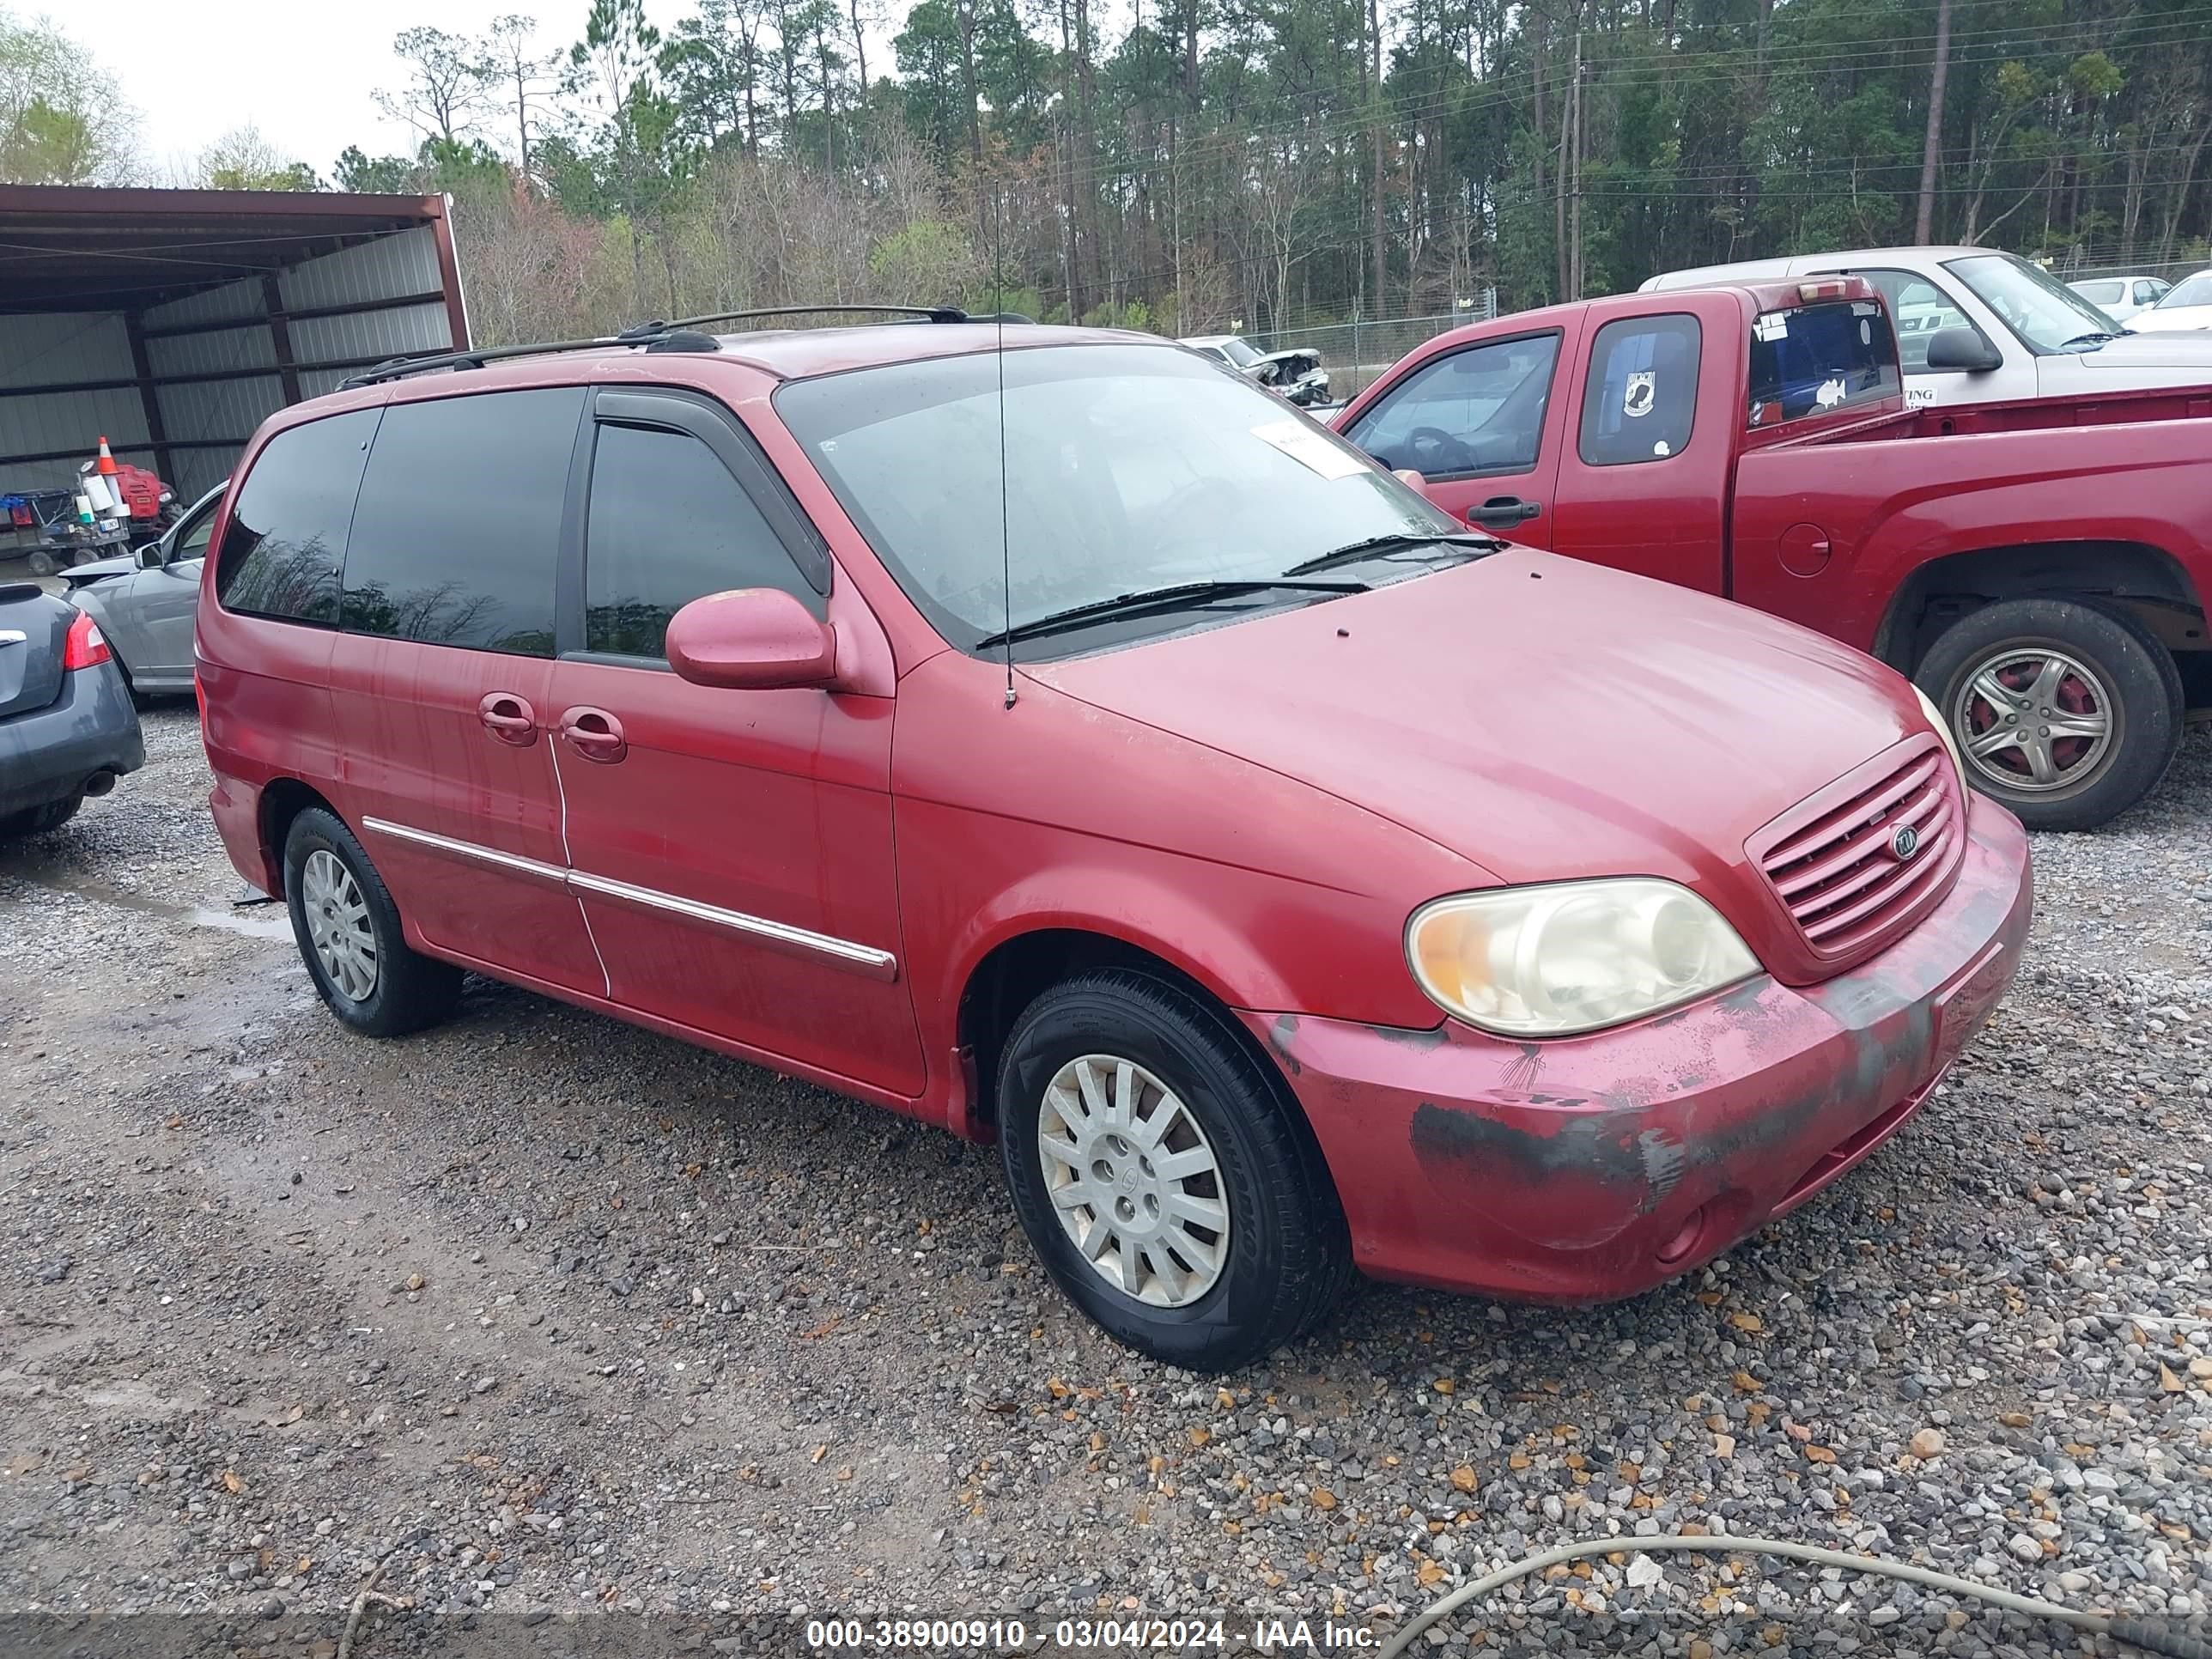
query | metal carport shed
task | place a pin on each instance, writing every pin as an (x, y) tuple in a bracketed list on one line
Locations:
[(172, 321)]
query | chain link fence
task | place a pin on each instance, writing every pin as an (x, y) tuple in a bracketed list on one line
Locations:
[(1356, 354)]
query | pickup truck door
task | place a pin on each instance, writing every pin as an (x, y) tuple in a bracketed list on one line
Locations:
[(1481, 424), (1654, 403)]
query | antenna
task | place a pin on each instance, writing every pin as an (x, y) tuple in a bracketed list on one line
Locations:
[(1006, 532)]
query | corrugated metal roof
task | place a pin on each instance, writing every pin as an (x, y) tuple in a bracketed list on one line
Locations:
[(63, 248)]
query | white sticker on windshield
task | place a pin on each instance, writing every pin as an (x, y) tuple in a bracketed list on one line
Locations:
[(1643, 391), (1307, 447), (1831, 393), (1771, 327)]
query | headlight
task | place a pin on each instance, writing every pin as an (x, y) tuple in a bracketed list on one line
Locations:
[(1571, 956), (1943, 731)]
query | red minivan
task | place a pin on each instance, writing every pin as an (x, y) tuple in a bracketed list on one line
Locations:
[(1048, 734)]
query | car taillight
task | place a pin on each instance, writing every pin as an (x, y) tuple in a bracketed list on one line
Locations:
[(1834, 288), (86, 645)]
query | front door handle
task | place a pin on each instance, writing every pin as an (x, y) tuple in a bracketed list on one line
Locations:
[(594, 734), (508, 718), (1503, 512)]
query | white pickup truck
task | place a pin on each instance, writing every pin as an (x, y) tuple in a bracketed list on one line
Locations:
[(1979, 326)]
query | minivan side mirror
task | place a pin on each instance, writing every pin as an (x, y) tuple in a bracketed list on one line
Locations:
[(1963, 350), (756, 639)]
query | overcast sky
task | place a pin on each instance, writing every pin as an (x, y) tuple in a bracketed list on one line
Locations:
[(301, 71)]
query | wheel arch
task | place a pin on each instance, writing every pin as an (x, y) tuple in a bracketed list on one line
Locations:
[(2144, 580), (1021, 967), (282, 800)]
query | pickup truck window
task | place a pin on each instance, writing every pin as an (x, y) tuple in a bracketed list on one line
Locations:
[(1813, 359), (1641, 393), (1479, 411), (2047, 315)]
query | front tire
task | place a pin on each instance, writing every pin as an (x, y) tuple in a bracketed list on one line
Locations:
[(1163, 1177), (2066, 712), (349, 936)]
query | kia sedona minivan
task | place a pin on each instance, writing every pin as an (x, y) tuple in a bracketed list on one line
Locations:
[(1048, 734)]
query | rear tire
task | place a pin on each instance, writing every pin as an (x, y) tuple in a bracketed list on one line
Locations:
[(1235, 1243), (349, 935), (2066, 712), (37, 820)]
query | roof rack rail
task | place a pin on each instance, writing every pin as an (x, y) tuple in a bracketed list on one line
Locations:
[(933, 313), (395, 368), (655, 336)]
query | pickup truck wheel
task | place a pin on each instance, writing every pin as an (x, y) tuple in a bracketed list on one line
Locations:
[(2065, 711), (1161, 1176), (349, 936)]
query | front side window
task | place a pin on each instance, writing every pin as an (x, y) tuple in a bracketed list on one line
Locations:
[(1811, 360), (1128, 469), (286, 535), (1919, 309), (1239, 351), (669, 525), (2046, 314), (1640, 397), (192, 541), (457, 533), (1467, 414)]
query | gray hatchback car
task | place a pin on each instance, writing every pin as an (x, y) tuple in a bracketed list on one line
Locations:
[(143, 602)]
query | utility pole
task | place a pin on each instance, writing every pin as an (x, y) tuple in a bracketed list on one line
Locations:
[(1374, 32), (1575, 223)]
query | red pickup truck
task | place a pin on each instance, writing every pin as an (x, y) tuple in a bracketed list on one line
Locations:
[(2038, 566)]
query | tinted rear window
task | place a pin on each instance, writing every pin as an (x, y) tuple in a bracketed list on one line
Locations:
[(1813, 359), (287, 536), (459, 529)]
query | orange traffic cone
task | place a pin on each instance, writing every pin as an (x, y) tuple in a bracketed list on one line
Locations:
[(106, 460)]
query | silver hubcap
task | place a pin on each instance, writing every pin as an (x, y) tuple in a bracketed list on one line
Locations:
[(2032, 720), (1134, 1181), (338, 924)]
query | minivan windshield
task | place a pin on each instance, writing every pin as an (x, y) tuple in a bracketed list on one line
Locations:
[(2046, 314), (1128, 469)]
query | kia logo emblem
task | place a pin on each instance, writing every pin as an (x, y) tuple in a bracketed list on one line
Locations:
[(1905, 843)]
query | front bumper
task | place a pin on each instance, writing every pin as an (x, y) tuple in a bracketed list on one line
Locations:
[(49, 754), (1589, 1168)]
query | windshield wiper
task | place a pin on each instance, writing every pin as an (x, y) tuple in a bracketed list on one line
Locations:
[(1368, 546), (1147, 601), (2080, 340)]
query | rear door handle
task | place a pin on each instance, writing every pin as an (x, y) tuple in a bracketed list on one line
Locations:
[(1503, 512), (508, 718), (594, 734)]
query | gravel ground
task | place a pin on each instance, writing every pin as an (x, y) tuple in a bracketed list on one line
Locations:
[(591, 1338)]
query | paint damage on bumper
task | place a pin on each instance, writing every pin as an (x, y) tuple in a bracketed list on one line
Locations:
[(1588, 1168)]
